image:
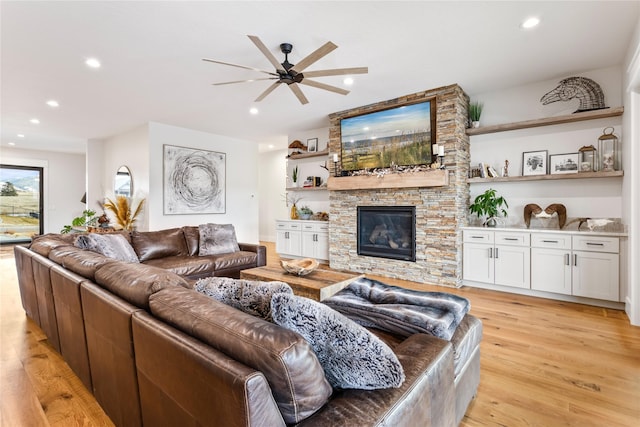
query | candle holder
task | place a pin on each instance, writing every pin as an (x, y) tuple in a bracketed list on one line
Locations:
[(441, 161), (335, 168)]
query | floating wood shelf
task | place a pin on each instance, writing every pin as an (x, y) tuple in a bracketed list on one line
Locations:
[(435, 178), (308, 155), (578, 175), (322, 188), (568, 118)]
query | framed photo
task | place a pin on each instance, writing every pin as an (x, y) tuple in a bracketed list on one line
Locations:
[(312, 145), (534, 163), (564, 163), (193, 181)]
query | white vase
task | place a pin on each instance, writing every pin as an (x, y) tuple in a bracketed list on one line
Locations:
[(475, 124)]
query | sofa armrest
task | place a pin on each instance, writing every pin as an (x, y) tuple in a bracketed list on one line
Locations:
[(426, 398), (259, 249)]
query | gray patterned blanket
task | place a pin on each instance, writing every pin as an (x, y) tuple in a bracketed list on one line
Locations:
[(371, 303)]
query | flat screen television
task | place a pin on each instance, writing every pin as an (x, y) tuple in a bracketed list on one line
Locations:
[(401, 135)]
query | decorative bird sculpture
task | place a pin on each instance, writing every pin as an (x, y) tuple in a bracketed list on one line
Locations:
[(534, 210), (585, 90)]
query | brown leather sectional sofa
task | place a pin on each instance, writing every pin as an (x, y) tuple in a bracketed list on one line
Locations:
[(155, 352)]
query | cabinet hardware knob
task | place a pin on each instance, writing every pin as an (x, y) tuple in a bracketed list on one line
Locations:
[(595, 244), (566, 259), (550, 241)]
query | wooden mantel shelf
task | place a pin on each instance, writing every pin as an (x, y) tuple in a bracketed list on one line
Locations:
[(434, 178), (567, 118)]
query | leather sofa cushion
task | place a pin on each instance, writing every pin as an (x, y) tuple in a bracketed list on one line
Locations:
[(159, 244), (465, 341), (135, 283), (287, 361), (192, 238), (45, 243), (80, 261), (201, 266)]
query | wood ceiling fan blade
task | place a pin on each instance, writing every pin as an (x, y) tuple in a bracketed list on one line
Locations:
[(324, 86), (270, 89), (266, 52), (244, 81), (314, 56), (239, 66), (336, 72), (298, 93)]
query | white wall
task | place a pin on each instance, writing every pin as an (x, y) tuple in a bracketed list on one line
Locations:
[(272, 181), (64, 183), (583, 198), (241, 180)]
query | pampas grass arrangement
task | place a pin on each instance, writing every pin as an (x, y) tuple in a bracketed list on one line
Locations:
[(121, 211)]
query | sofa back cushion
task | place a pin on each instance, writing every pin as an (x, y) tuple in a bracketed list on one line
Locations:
[(135, 283), (80, 261), (113, 246), (287, 361), (159, 244), (192, 238), (43, 244)]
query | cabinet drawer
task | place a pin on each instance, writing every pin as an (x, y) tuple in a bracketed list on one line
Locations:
[(315, 227), (596, 244), (287, 225), (477, 236), (556, 241), (511, 238)]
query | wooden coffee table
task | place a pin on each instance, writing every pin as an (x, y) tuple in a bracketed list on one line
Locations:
[(318, 285)]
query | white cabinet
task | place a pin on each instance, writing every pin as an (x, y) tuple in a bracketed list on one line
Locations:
[(551, 263), (288, 235), (307, 239), (596, 267), (315, 240), (497, 257)]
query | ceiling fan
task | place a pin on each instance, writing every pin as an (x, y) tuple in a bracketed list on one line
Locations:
[(292, 74)]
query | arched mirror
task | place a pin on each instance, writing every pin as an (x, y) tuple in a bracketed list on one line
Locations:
[(123, 184)]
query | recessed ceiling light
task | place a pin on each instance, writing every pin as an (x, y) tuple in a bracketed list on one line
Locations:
[(348, 81), (270, 146), (530, 23), (20, 135), (253, 110), (12, 143), (53, 103), (92, 62), (35, 121)]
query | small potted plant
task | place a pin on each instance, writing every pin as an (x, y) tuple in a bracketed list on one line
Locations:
[(294, 176), (490, 205), (305, 212), (475, 111)]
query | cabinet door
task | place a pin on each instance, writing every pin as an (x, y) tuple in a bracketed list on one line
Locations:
[(282, 241), (315, 245), (308, 245), (322, 246), (477, 262), (295, 247), (595, 275), (512, 266), (551, 270)]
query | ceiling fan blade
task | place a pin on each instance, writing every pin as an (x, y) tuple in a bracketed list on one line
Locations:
[(336, 72), (243, 81), (266, 52), (324, 86), (270, 89), (314, 56), (239, 66), (298, 93)]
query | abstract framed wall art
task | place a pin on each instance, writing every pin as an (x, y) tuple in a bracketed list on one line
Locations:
[(194, 181)]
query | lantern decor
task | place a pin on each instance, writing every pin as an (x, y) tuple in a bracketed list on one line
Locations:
[(608, 151), (588, 161)]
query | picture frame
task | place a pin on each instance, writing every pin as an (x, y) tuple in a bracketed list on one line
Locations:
[(564, 163), (535, 163), (194, 181), (312, 145)]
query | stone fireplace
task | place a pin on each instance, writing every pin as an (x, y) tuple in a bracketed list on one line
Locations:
[(387, 232), (440, 209)]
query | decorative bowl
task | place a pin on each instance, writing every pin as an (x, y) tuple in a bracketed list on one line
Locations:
[(299, 267)]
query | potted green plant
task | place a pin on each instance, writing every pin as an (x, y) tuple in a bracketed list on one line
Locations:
[(475, 111), (88, 219), (489, 204), (305, 212)]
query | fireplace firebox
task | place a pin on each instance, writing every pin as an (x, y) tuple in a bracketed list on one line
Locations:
[(387, 232)]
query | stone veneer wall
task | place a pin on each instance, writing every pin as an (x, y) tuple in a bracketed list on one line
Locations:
[(440, 211)]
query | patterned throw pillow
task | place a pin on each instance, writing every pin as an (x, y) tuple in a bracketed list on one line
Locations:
[(110, 245), (217, 239), (252, 297), (351, 356)]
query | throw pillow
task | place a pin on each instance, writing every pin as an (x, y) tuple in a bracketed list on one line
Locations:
[(252, 297), (110, 245), (352, 357), (217, 239)]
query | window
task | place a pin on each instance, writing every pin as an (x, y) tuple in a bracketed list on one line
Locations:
[(21, 202)]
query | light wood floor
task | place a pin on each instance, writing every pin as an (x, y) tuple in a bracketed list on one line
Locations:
[(544, 363)]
